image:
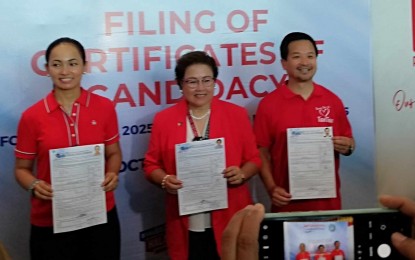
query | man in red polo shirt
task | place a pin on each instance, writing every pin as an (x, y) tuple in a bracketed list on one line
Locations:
[(337, 253), (302, 254), (298, 103), (321, 253)]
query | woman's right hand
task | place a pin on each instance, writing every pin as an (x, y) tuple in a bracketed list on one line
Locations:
[(280, 197), (43, 190), (172, 184)]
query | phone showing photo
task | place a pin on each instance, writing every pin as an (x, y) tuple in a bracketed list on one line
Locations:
[(361, 234)]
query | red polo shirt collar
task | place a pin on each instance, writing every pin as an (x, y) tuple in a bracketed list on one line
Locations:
[(51, 104), (288, 94)]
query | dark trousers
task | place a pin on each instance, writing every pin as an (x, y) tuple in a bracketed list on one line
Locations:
[(97, 242), (202, 245)]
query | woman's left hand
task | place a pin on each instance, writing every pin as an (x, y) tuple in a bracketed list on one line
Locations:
[(111, 181), (234, 174)]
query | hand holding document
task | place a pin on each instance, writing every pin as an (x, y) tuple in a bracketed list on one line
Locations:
[(78, 200), (311, 163), (199, 166)]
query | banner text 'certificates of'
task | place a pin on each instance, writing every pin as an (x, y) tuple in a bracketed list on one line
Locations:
[(199, 166), (311, 163), (78, 198)]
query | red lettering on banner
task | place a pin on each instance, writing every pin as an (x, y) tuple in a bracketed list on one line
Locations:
[(175, 19), (144, 91), (198, 23), (233, 90), (139, 23), (147, 95), (244, 20), (130, 22), (109, 23), (256, 21), (229, 47), (319, 42), (35, 62), (123, 90), (245, 54), (136, 64), (99, 63), (118, 52), (400, 101), (231, 21), (148, 58), (252, 84), (251, 54), (167, 57), (270, 54), (142, 25)]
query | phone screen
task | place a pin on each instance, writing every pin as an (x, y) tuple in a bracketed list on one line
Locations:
[(332, 235)]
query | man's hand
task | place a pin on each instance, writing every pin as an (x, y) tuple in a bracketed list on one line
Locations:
[(405, 245), (240, 238)]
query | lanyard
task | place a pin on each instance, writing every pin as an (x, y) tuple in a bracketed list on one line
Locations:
[(196, 135)]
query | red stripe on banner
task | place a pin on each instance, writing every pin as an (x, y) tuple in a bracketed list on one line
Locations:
[(321, 42)]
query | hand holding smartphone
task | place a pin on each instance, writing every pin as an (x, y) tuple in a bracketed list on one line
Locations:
[(361, 234)]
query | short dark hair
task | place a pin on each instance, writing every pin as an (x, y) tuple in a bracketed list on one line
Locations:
[(75, 43), (295, 36), (191, 58)]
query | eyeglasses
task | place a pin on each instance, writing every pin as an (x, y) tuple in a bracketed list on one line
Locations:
[(192, 83)]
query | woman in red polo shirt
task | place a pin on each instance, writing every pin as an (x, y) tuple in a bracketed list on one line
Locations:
[(68, 116)]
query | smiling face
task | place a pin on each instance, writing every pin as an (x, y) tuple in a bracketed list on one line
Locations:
[(301, 62), (198, 86), (65, 67)]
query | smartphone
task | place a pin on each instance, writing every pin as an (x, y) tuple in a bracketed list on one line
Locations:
[(359, 234)]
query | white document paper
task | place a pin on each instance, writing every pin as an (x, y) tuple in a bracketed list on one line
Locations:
[(311, 163), (78, 198), (200, 165)]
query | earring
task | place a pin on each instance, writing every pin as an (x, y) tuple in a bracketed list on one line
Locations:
[(84, 72), (181, 91)]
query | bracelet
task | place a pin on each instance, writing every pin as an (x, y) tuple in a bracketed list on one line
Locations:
[(32, 185), (163, 182)]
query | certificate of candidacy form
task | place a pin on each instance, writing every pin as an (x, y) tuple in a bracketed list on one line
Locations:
[(311, 163), (199, 166), (78, 198)]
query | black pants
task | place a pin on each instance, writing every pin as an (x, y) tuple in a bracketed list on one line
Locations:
[(202, 246), (97, 242)]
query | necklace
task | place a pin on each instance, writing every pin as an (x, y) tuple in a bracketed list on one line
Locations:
[(199, 117)]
